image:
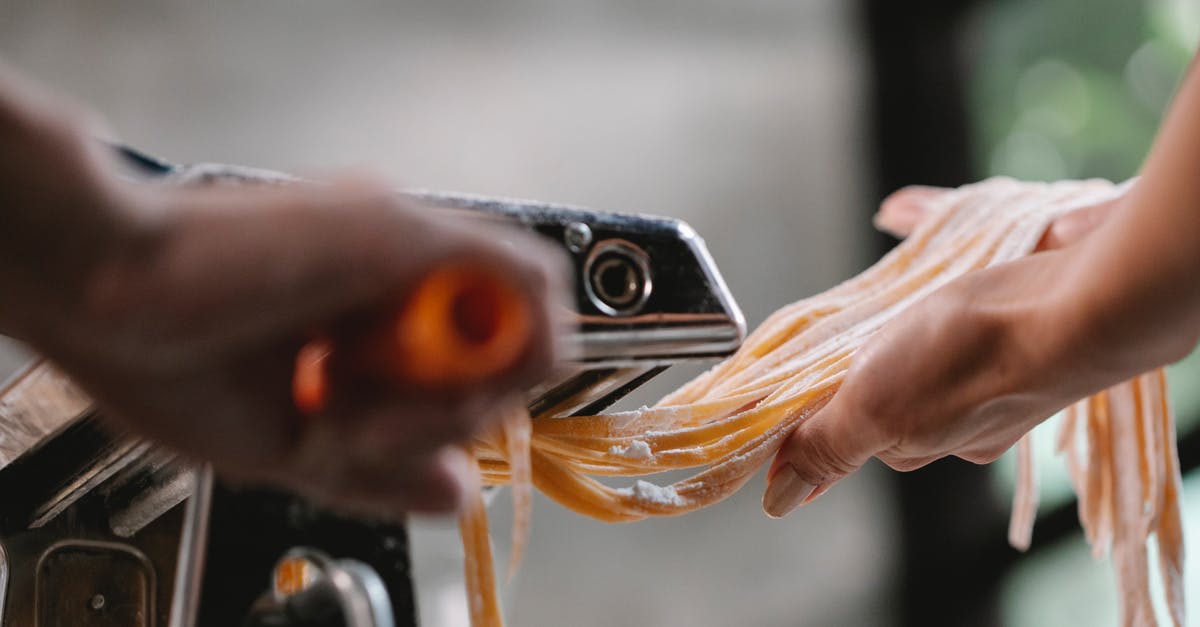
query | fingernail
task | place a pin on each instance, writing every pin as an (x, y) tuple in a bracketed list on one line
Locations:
[(817, 493), (784, 493)]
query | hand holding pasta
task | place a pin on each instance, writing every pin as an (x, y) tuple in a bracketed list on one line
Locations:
[(1001, 345)]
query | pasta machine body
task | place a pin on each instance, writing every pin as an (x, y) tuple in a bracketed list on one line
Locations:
[(100, 528)]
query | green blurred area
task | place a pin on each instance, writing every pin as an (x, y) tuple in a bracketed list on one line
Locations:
[(1076, 89)]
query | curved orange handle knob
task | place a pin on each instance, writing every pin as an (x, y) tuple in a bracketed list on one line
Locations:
[(464, 323)]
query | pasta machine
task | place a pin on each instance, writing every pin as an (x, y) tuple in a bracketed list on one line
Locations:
[(99, 528)]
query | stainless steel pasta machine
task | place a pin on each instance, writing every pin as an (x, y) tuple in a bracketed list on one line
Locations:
[(99, 528)]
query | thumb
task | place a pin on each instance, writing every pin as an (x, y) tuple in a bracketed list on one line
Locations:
[(1076, 225), (821, 451)]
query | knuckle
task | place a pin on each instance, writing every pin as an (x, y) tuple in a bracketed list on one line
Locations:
[(433, 496), (882, 427), (66, 133), (874, 414), (903, 464), (817, 460), (462, 424), (982, 456), (539, 359)]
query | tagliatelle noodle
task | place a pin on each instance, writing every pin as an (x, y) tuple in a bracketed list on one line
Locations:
[(1118, 445), (1121, 455)]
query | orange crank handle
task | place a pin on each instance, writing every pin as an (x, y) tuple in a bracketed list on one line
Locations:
[(464, 323)]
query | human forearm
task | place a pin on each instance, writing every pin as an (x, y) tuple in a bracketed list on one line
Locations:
[(968, 369), (1137, 279), (61, 216)]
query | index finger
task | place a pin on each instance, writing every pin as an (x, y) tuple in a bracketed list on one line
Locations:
[(903, 210)]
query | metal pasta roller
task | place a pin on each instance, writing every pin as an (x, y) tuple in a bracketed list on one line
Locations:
[(103, 529)]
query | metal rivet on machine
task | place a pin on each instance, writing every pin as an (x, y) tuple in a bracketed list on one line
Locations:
[(97, 602), (577, 237)]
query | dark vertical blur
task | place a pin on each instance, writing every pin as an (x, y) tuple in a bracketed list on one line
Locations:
[(917, 88), (950, 561)]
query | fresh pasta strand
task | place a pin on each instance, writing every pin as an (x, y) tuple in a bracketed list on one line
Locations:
[(728, 422), (483, 604), (1127, 489), (1025, 501)]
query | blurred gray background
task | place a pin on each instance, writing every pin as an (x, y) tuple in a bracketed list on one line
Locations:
[(740, 117)]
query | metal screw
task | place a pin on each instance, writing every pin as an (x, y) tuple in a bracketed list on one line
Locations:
[(97, 602), (577, 236), (616, 277)]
